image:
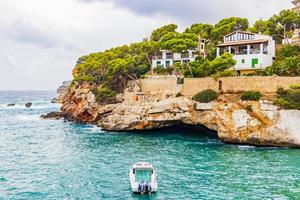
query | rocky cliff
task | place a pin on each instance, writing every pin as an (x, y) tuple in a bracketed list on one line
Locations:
[(236, 121)]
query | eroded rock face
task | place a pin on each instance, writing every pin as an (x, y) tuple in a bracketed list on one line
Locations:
[(256, 123)]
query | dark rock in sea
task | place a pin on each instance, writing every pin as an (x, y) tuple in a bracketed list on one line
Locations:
[(53, 115), (11, 105), (53, 100), (28, 105)]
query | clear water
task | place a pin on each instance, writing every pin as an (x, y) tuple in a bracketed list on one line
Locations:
[(41, 159)]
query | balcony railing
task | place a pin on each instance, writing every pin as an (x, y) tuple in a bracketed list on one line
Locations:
[(157, 58)]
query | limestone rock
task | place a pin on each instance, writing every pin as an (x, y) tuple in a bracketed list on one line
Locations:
[(205, 106), (53, 115), (28, 105), (264, 124)]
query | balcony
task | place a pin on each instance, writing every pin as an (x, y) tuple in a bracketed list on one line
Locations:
[(157, 57)]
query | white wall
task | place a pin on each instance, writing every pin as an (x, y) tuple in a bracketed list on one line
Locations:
[(263, 61)]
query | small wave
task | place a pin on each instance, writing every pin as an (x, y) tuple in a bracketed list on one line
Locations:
[(245, 147), (2, 179), (22, 106), (22, 117)]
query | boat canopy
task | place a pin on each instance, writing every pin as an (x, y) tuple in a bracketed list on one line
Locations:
[(143, 175)]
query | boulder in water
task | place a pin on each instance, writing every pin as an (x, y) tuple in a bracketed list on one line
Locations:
[(11, 104), (28, 105), (53, 115)]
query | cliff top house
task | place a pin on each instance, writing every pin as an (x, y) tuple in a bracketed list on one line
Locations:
[(251, 51), (167, 58)]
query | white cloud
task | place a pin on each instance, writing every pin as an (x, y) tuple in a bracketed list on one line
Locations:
[(40, 40)]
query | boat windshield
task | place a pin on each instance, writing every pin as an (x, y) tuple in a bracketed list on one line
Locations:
[(143, 175)]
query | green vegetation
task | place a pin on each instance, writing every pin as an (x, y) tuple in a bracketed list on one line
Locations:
[(113, 68), (287, 63), (249, 108), (251, 96), (163, 70), (206, 96), (104, 94), (280, 26), (204, 68), (179, 95), (295, 86), (288, 99), (225, 73)]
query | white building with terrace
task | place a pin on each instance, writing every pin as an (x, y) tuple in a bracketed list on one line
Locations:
[(251, 51), (167, 58)]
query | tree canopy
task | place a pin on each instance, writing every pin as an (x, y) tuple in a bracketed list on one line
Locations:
[(112, 68)]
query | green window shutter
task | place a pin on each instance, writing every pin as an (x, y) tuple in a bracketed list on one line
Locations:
[(254, 62)]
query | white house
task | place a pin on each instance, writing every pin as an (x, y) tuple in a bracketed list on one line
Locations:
[(251, 51), (167, 58)]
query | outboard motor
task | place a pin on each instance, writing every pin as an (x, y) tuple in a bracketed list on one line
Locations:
[(142, 187), (148, 187)]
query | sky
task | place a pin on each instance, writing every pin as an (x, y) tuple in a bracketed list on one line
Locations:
[(41, 40)]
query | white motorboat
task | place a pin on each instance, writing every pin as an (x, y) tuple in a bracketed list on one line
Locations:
[(143, 178)]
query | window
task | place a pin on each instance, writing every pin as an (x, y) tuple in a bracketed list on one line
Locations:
[(243, 61), (158, 64), (168, 63)]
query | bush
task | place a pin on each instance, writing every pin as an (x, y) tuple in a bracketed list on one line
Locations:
[(288, 99), (179, 95), (103, 94), (206, 96), (251, 95), (295, 86), (163, 70), (225, 73), (249, 108)]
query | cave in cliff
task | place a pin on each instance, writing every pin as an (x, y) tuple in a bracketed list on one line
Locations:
[(187, 129)]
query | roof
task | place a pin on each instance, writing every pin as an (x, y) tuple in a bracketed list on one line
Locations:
[(241, 42), (142, 165), (246, 32)]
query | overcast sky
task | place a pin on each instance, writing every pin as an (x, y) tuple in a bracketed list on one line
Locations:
[(40, 40)]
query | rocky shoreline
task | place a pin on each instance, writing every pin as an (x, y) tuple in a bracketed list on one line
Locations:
[(235, 121)]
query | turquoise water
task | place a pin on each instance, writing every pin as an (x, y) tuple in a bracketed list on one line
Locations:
[(41, 159)]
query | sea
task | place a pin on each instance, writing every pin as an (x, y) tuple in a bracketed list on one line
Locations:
[(54, 159)]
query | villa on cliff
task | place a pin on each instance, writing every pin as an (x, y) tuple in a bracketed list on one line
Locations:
[(167, 58), (251, 51)]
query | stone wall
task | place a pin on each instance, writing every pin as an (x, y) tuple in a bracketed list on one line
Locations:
[(159, 84), (265, 84)]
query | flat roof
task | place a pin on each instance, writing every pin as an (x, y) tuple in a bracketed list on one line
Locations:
[(241, 42)]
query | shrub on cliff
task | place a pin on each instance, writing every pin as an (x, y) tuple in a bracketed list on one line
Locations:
[(206, 96), (163, 70), (225, 73), (295, 86), (288, 99), (104, 94), (251, 96)]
